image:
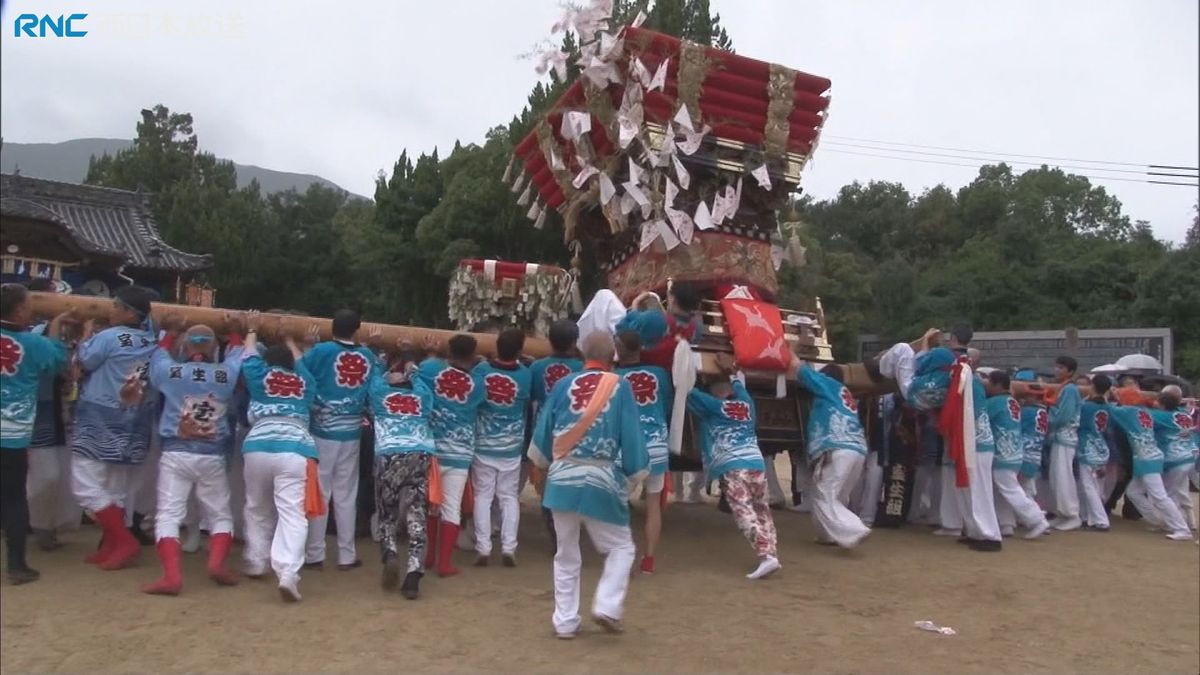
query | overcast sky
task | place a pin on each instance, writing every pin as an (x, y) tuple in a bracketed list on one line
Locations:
[(339, 89)]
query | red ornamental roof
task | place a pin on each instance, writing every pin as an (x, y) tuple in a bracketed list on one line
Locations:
[(734, 100)]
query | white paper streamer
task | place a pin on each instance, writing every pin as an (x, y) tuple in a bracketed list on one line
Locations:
[(668, 235), (763, 176), (635, 172), (685, 178), (586, 173), (607, 189), (639, 20), (683, 119), (575, 125), (683, 224), (649, 234), (718, 208), (628, 204), (632, 189), (776, 256), (556, 161), (660, 77), (672, 192), (703, 218), (640, 72), (693, 139)]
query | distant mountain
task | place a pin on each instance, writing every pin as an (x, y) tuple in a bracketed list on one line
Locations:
[(68, 162)]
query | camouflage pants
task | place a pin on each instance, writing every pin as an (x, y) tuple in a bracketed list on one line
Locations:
[(400, 497)]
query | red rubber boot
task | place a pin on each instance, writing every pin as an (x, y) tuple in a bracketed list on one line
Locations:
[(172, 580), (125, 549), (431, 541), (218, 551), (102, 552), (447, 538)]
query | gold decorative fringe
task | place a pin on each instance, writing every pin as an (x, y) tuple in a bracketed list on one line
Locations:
[(508, 169), (548, 145), (781, 93), (693, 68), (523, 200), (535, 211), (575, 206), (519, 182)]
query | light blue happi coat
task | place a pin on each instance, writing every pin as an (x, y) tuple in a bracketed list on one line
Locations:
[(833, 422)]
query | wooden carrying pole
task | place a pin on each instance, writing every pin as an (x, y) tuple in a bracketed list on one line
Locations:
[(274, 326)]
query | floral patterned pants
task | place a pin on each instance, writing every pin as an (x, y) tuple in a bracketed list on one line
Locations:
[(746, 492), (400, 495)]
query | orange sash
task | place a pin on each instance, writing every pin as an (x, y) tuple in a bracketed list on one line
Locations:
[(604, 391), (314, 501), (433, 482)]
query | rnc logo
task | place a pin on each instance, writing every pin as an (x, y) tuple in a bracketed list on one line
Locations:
[(34, 26)]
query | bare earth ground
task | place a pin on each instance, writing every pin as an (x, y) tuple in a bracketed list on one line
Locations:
[(1126, 601)]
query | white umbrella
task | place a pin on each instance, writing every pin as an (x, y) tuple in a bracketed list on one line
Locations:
[(1108, 368), (1143, 362)]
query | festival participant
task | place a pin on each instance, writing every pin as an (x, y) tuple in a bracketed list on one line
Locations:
[(1146, 490), (195, 430), (836, 452), (25, 360), (401, 406), (652, 392), (341, 368), (111, 439), (52, 507), (500, 436), (927, 480), (732, 455), (1176, 436), (1013, 505), (546, 372), (1093, 454), (588, 441), (1064, 438), (280, 455), (457, 395)]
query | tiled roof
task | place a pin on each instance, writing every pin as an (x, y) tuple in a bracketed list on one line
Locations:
[(102, 220)]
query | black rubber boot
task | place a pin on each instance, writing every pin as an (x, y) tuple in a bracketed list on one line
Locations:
[(412, 585), (144, 538), (391, 571)]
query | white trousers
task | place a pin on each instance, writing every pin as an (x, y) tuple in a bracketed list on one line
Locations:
[(1062, 482), (338, 467), (276, 528), (899, 363), (1029, 485), (927, 490), (615, 543), (949, 514), (1149, 495), (178, 473), (492, 482), (835, 475), (1175, 481), (52, 506), (1013, 505), (454, 483), (1091, 497), (977, 502), (872, 489), (98, 485)]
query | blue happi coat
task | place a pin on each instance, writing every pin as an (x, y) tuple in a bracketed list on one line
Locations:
[(280, 400), (342, 371), (833, 422), (593, 478), (197, 397), (401, 417), (546, 372), (653, 393), (1137, 424), (500, 428), (457, 395), (1064, 417), (732, 441), (26, 360), (1175, 437), (104, 430), (1093, 425), (1035, 426), (1004, 414), (931, 379)]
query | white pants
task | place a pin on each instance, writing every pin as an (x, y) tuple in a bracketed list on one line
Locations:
[(142, 494), (1149, 496), (1062, 482), (1013, 505), (275, 524), (872, 488), (927, 490), (1175, 481), (977, 502), (835, 475), (1029, 485), (615, 543), (949, 515), (177, 473), (454, 482), (98, 485), (1091, 502), (338, 466), (491, 479), (52, 507)]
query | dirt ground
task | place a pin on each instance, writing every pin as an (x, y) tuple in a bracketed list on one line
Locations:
[(1125, 601)]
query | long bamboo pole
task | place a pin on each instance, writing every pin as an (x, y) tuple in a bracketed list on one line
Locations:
[(274, 326)]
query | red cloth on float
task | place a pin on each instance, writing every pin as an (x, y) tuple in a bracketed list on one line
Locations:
[(756, 331), (663, 353)]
